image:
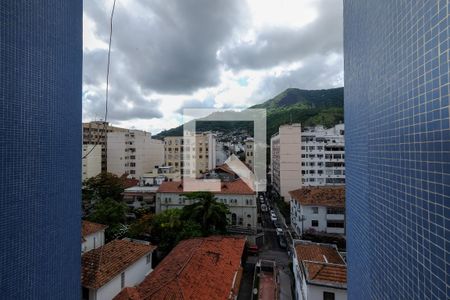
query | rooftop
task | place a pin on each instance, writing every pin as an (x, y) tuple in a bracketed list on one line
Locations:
[(141, 189), (327, 274), (100, 265), (88, 228), (200, 268), (321, 263), (236, 187), (330, 196)]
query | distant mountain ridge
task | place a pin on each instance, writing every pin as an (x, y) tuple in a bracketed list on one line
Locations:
[(308, 107)]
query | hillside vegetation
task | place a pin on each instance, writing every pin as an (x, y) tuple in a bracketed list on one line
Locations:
[(308, 107)]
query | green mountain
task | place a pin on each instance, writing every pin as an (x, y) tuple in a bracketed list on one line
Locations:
[(308, 107)]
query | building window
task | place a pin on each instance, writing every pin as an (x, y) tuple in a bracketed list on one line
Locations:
[(328, 296), (314, 223), (335, 211), (149, 258), (315, 210), (122, 280), (335, 224)]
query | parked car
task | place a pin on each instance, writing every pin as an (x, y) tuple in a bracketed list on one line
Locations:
[(279, 231), (273, 218), (263, 207)]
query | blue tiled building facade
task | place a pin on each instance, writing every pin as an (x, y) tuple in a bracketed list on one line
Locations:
[(397, 148), (40, 148)]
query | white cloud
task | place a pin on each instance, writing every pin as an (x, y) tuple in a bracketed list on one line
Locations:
[(169, 54)]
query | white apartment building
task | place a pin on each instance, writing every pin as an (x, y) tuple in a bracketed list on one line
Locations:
[(192, 155), (313, 156), (318, 209), (323, 156), (92, 235), (133, 152), (91, 161), (239, 197), (107, 270), (320, 272)]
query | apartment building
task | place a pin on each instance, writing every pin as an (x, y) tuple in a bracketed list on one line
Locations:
[(285, 159), (239, 197), (94, 133), (320, 272), (249, 147), (312, 156), (318, 209), (133, 152), (91, 161), (323, 156), (191, 155)]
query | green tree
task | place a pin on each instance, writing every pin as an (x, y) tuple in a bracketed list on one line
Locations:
[(141, 227), (104, 185), (169, 228), (112, 213), (206, 211)]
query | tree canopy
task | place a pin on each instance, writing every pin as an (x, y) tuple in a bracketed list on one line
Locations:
[(206, 211)]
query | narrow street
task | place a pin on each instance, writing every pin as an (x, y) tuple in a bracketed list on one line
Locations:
[(271, 250)]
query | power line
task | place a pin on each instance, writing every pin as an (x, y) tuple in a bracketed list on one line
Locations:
[(105, 122)]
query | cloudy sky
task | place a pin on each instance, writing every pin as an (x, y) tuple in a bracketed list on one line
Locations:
[(172, 54)]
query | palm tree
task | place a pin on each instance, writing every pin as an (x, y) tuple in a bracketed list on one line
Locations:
[(210, 214)]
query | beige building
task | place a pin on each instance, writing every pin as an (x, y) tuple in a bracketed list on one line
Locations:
[(193, 155), (91, 161), (95, 133), (133, 152), (249, 148), (285, 159), (237, 195)]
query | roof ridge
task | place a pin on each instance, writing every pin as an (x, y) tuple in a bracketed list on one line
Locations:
[(176, 276)]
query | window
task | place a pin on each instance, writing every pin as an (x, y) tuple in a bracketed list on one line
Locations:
[(315, 210), (328, 296), (335, 224), (149, 258), (335, 211), (314, 223), (122, 280)]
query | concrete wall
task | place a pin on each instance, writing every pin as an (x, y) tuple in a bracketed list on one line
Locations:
[(315, 292), (92, 163), (93, 241)]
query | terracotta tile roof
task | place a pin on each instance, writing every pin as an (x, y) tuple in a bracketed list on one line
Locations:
[(88, 228), (318, 252), (100, 265), (322, 263), (225, 168), (200, 268), (325, 273), (127, 182), (236, 187), (330, 196)]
